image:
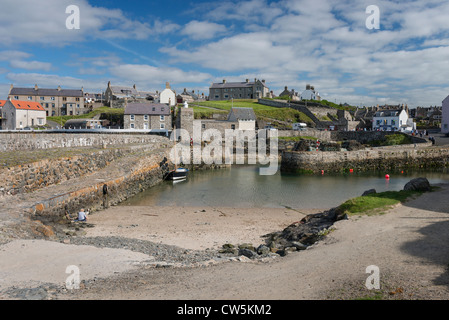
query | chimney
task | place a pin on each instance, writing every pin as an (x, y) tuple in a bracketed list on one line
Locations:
[(35, 87), (308, 87), (263, 81), (109, 84), (167, 85), (59, 88), (224, 81), (247, 80), (134, 86), (286, 88)]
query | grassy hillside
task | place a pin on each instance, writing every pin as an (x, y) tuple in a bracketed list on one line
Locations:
[(262, 112), (106, 110)]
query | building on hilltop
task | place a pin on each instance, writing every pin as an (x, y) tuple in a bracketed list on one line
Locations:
[(310, 94), (168, 96), (238, 90), (17, 114), (121, 93), (147, 116), (56, 102), (291, 94)]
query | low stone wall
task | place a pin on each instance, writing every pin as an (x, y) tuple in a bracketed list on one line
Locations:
[(375, 159), (40, 140), (145, 173), (33, 176)]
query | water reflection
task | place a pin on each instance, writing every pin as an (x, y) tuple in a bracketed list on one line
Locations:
[(242, 186)]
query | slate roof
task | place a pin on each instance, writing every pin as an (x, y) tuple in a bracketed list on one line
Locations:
[(388, 113), (242, 114), (222, 85), (147, 108), (46, 92)]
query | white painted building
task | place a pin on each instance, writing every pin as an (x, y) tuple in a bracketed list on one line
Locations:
[(245, 117), (310, 94), (18, 114), (393, 120), (167, 96), (445, 116)]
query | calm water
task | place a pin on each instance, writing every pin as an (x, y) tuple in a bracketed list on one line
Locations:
[(242, 186)]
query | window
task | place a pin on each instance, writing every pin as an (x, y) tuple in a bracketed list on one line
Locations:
[(77, 99), (162, 118), (40, 121), (145, 117), (131, 117), (131, 125), (52, 98), (30, 98), (64, 98), (233, 126), (445, 126), (162, 125), (154, 109), (42, 98), (16, 97), (203, 126), (52, 105)]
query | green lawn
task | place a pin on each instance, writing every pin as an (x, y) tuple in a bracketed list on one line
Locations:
[(262, 111), (375, 203), (62, 119)]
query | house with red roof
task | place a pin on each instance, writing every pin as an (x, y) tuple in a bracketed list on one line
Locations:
[(17, 114)]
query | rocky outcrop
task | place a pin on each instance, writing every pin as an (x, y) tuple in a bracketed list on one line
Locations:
[(418, 184)]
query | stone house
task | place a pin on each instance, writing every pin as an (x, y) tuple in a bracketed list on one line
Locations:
[(147, 116), (56, 102), (122, 93), (239, 90), (291, 94), (18, 114), (445, 116)]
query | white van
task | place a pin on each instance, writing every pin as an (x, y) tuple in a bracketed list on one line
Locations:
[(299, 126)]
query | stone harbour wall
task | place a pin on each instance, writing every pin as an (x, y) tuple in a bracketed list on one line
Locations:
[(375, 159), (18, 141), (145, 173)]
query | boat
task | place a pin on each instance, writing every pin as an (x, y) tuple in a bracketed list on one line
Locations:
[(178, 174)]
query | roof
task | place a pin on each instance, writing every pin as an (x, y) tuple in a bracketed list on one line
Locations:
[(27, 105), (234, 85), (147, 108), (2, 103), (242, 114), (388, 113), (118, 90), (46, 92)]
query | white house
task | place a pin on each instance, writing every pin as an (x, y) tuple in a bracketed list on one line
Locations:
[(445, 116), (167, 96), (245, 117), (393, 120), (18, 114), (310, 94)]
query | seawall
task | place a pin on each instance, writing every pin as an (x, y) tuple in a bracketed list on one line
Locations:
[(375, 159)]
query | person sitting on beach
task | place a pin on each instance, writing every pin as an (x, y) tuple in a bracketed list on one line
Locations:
[(81, 216)]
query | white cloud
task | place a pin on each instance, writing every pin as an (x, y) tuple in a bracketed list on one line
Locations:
[(30, 65), (150, 76), (203, 30)]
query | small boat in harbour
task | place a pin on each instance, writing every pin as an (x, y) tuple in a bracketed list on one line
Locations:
[(178, 174)]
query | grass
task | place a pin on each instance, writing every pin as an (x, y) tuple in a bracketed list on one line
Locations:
[(61, 120), (392, 140), (262, 112), (375, 203)]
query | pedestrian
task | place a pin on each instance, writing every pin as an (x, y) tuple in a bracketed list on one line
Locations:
[(81, 216)]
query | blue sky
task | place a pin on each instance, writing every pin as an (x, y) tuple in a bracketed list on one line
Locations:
[(194, 43)]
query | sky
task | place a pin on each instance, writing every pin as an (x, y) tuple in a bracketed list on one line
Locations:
[(329, 44)]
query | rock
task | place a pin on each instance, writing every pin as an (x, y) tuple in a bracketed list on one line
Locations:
[(418, 184), (247, 253), (263, 250), (298, 245), (368, 192), (248, 246)]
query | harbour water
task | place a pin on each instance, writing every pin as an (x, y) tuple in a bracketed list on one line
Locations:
[(242, 186)]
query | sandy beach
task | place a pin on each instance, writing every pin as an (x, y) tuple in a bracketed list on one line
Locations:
[(196, 228), (409, 244)]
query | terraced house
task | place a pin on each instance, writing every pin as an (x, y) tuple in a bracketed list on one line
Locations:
[(56, 102), (147, 116), (18, 114), (238, 90)]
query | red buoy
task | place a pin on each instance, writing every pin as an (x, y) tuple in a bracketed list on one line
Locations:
[(387, 176)]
